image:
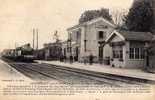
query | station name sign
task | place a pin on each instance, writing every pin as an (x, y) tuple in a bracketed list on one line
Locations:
[(102, 26)]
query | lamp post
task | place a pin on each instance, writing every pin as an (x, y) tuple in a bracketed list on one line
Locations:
[(101, 45), (147, 64), (70, 48)]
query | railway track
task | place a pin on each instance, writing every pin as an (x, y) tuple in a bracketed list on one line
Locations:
[(101, 75), (71, 76), (49, 72), (30, 73)]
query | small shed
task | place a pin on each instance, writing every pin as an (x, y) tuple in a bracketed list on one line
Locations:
[(128, 48)]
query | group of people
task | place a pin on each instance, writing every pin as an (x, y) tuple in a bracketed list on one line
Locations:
[(89, 59), (71, 59)]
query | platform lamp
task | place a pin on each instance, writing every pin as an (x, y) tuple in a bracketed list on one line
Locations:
[(69, 44), (101, 45), (146, 48)]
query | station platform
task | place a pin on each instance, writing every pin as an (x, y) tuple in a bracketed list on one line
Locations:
[(9, 73), (98, 68)]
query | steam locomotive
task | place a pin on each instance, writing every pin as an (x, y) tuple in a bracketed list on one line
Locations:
[(23, 53)]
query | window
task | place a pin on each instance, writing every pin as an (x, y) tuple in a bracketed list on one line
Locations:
[(64, 51), (121, 54), (131, 53), (118, 53), (78, 34), (100, 34), (68, 49), (142, 53), (115, 54), (136, 53)]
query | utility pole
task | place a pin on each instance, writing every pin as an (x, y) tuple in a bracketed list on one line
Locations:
[(33, 37), (37, 39), (15, 45)]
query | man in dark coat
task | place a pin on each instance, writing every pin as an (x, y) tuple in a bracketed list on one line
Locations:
[(91, 57)]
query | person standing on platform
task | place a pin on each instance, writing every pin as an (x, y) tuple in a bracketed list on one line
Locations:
[(91, 58)]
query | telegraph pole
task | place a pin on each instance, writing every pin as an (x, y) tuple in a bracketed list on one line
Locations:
[(33, 37), (37, 39), (15, 45)]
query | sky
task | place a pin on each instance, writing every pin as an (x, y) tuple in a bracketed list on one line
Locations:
[(19, 17)]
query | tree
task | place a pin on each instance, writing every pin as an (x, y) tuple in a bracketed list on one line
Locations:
[(140, 16), (118, 17), (91, 14)]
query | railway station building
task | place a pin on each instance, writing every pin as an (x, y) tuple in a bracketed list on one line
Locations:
[(89, 38), (100, 38)]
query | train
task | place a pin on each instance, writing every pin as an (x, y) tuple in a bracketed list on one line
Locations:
[(50, 51), (23, 53)]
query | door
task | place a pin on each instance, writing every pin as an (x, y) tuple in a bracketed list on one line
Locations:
[(100, 54), (77, 54), (64, 51)]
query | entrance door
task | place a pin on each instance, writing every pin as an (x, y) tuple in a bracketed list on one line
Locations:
[(64, 51), (100, 54), (77, 54)]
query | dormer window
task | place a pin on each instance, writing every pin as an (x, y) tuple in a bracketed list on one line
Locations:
[(101, 35)]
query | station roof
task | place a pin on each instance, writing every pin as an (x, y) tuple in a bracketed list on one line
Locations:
[(138, 36), (92, 21), (132, 36)]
